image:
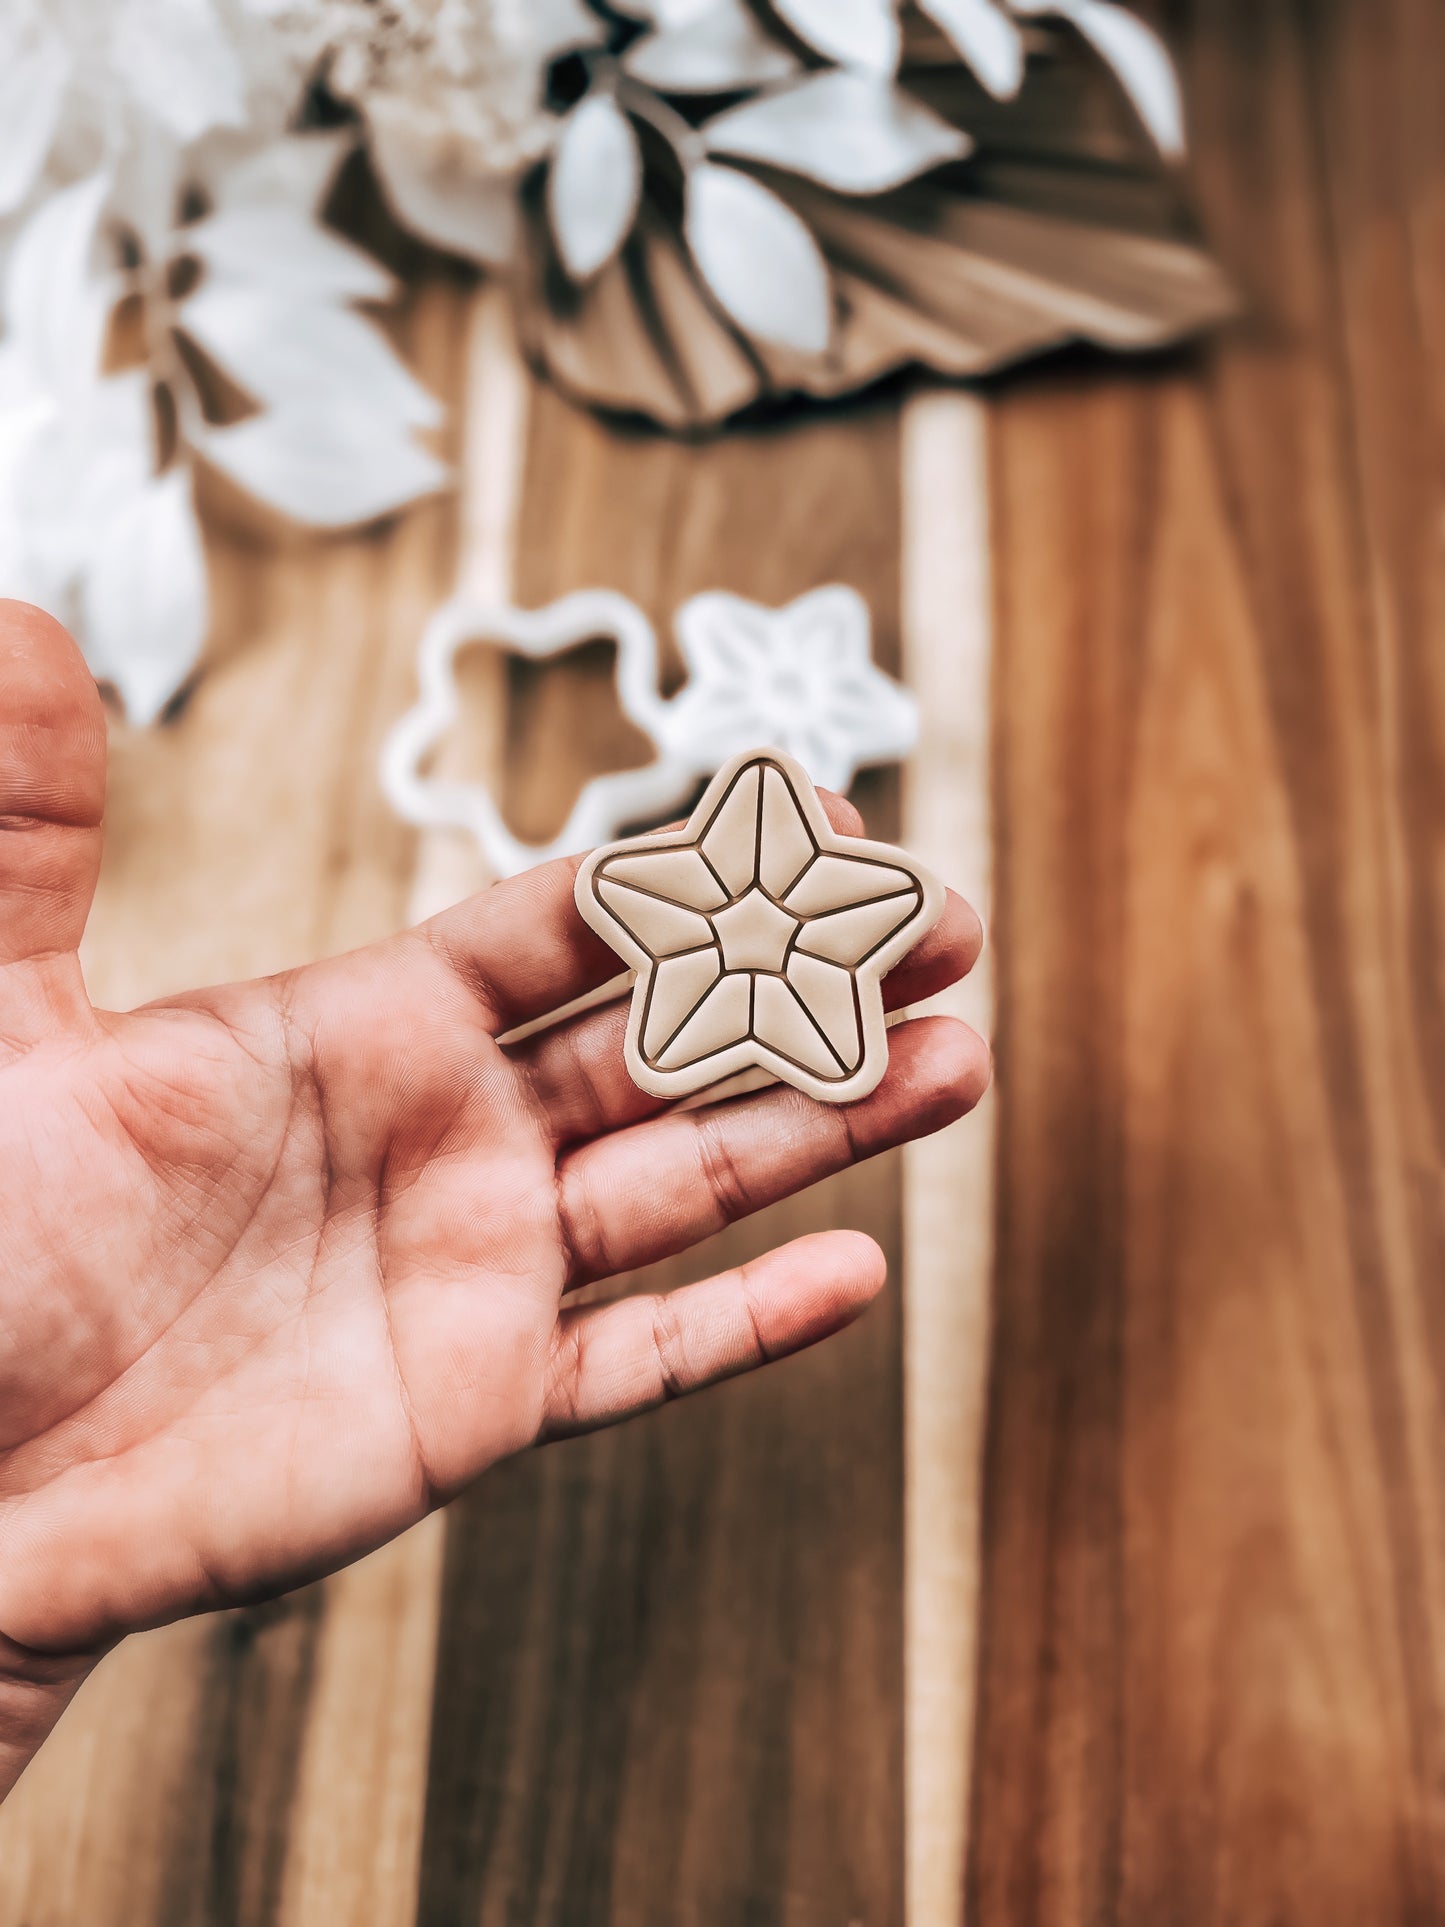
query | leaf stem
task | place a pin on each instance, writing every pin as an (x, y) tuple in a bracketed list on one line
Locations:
[(681, 136)]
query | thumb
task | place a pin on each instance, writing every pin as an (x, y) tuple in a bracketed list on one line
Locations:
[(52, 786)]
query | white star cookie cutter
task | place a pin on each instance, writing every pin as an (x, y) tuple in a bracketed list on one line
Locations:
[(760, 937), (801, 679)]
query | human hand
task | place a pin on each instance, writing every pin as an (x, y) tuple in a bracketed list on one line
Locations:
[(285, 1264)]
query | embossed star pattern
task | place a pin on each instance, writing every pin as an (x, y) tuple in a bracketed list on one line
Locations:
[(760, 937)]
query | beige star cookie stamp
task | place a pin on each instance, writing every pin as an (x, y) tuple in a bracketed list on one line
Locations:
[(760, 937)]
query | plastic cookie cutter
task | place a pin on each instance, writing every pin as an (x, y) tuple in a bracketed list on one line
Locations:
[(760, 938), (800, 679)]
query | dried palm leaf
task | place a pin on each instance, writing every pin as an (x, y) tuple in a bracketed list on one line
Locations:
[(838, 226)]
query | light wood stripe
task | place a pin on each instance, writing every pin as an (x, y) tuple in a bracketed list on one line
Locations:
[(949, 1179), (494, 448), (354, 1842)]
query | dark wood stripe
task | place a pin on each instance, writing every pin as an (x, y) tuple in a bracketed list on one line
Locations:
[(1211, 1676), (226, 1863)]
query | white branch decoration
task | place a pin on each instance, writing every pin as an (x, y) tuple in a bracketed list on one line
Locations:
[(148, 174), (704, 202)]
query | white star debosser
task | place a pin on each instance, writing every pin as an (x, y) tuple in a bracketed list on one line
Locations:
[(760, 937)]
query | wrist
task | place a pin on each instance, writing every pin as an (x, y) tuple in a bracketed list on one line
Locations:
[(35, 1689)]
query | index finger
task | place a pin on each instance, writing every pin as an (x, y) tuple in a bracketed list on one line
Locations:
[(524, 950)]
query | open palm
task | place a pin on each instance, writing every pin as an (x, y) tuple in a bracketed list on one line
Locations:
[(284, 1265)]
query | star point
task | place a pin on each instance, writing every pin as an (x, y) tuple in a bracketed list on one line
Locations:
[(760, 937)]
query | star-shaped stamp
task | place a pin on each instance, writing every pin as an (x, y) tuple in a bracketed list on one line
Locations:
[(760, 937)]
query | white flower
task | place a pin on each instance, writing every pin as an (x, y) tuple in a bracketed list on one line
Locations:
[(452, 93), (472, 72), (92, 84)]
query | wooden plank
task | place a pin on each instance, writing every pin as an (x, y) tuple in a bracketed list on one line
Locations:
[(1211, 1678), (949, 1180), (493, 404), (351, 1840), (354, 1835), (247, 835), (90, 1831), (669, 1681)]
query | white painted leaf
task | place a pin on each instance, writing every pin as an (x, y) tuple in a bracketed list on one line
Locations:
[(327, 464), (758, 259), (717, 48), (663, 13), (280, 249), (55, 307), (987, 40), (1141, 61), (297, 171), (89, 457), (33, 79), (855, 33), (144, 602), (281, 351), (179, 64), (594, 185), (1138, 56), (474, 215), (851, 131), (555, 26), (148, 185), (25, 411)]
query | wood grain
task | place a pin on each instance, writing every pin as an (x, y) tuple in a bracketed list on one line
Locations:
[(666, 1667), (669, 1682), (702, 1650), (1211, 1655), (353, 1835), (948, 1180)]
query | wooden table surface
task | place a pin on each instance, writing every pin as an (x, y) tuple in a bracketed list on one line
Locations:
[(1169, 1623)]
